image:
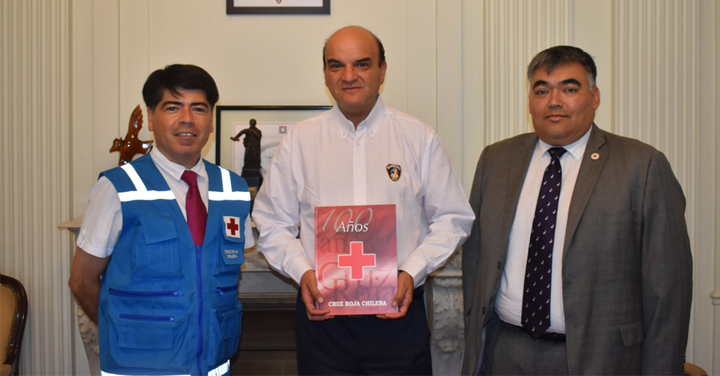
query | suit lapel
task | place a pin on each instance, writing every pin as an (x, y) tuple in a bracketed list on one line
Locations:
[(517, 165), (592, 163)]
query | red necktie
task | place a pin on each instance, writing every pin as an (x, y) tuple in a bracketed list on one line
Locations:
[(196, 212)]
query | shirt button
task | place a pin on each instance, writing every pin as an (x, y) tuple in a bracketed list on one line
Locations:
[(359, 170), (358, 200), (358, 144)]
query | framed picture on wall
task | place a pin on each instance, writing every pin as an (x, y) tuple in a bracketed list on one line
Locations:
[(273, 121), (278, 6)]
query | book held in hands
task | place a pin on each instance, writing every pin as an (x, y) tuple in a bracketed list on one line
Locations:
[(356, 258)]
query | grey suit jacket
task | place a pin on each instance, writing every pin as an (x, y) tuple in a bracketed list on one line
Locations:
[(627, 266)]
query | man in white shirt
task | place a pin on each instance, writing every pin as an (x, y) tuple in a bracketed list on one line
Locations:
[(341, 157), (164, 232)]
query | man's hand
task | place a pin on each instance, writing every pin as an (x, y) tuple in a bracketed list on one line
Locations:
[(403, 298), (310, 294)]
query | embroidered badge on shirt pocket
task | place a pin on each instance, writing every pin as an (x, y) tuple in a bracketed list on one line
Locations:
[(394, 171)]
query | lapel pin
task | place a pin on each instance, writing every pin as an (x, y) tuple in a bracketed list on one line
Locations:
[(595, 156)]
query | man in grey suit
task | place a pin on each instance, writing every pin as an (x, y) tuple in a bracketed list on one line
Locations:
[(611, 250)]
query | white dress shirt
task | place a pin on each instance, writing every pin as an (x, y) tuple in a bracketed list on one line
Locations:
[(103, 218), (508, 303), (325, 161)]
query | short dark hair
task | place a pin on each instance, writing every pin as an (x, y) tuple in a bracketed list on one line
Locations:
[(178, 76), (560, 55), (381, 48)]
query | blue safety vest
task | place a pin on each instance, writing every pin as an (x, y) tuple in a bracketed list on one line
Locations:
[(168, 307)]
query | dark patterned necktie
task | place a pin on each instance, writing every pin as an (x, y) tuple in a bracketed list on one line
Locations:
[(538, 271), (195, 208)]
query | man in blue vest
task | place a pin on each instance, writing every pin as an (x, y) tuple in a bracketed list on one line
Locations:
[(176, 227)]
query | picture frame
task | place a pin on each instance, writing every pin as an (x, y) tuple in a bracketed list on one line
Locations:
[(278, 7), (271, 120)]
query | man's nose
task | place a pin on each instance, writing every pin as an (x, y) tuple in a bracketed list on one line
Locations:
[(349, 74), (554, 100), (186, 116)]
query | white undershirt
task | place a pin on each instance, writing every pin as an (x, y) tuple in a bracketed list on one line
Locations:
[(508, 304)]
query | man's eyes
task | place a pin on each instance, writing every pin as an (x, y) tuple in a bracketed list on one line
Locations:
[(338, 66), (199, 109), (566, 90)]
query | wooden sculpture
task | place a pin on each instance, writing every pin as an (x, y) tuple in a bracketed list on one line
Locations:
[(131, 145)]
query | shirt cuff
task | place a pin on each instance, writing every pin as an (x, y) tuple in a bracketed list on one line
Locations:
[(298, 268), (416, 269)]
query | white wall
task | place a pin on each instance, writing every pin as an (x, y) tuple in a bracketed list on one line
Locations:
[(456, 64)]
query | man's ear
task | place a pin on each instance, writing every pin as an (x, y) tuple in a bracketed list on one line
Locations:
[(150, 119), (383, 68), (596, 97)]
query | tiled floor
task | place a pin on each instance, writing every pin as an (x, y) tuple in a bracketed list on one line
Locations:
[(267, 344)]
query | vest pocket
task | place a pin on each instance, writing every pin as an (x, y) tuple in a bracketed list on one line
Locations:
[(224, 332), (145, 294), (230, 256), (155, 255), (147, 341), (225, 289)]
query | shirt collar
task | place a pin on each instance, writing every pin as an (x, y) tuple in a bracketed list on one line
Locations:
[(576, 149), (173, 169), (370, 124)]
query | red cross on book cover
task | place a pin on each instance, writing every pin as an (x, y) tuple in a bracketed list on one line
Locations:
[(356, 258)]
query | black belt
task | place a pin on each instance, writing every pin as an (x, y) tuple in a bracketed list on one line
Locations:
[(552, 337)]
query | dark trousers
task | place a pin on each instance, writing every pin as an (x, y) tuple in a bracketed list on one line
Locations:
[(510, 351), (364, 345)]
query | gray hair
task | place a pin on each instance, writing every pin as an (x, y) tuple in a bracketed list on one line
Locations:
[(554, 57)]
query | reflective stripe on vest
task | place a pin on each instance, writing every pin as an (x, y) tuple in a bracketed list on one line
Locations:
[(141, 193), (227, 193), (220, 370)]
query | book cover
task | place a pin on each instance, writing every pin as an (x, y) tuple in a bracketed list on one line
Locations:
[(356, 258)]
